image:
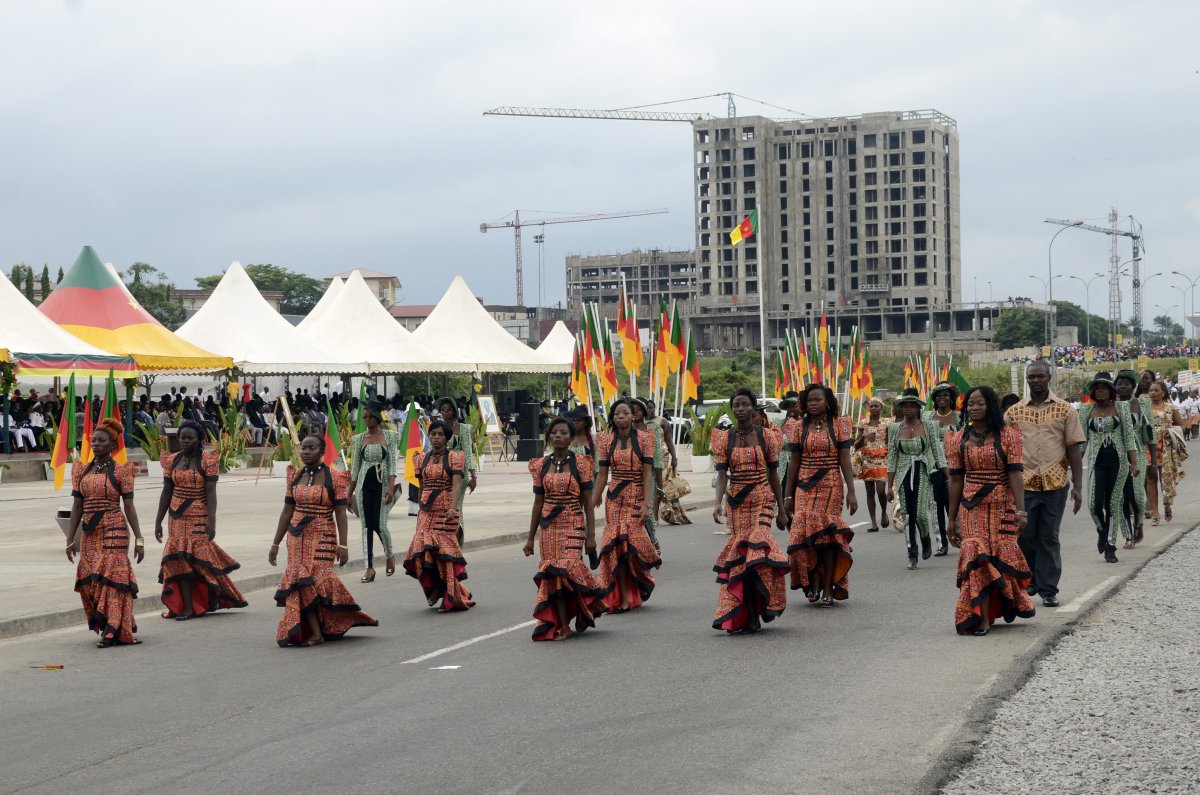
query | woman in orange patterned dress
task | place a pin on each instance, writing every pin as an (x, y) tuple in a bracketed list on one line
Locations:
[(194, 571), (750, 569), (104, 577), (627, 555), (316, 605), (435, 558), (870, 459), (819, 479), (562, 509), (987, 511)]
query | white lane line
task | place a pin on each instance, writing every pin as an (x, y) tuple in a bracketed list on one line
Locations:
[(445, 667), (858, 524), (1163, 540), (1079, 601), (465, 643)]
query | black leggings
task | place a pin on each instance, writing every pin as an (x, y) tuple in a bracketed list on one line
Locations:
[(941, 496), (372, 503), (1108, 467), (912, 508)]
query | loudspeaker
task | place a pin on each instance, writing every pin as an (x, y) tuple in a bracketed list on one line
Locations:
[(529, 421), (529, 449), (506, 402), (521, 396)]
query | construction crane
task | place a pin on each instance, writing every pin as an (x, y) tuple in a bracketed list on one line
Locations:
[(1114, 231), (516, 223), (636, 113)]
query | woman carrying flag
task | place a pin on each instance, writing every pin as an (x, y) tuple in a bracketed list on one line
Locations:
[(194, 571), (104, 577), (435, 558)]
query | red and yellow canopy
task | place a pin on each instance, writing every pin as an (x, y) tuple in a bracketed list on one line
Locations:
[(92, 304)]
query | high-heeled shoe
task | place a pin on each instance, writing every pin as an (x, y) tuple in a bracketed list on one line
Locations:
[(368, 576)]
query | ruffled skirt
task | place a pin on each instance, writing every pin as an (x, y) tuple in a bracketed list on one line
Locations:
[(107, 587), (190, 556), (436, 561)]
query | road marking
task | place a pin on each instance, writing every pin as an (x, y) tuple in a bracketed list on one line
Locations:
[(445, 667), (1079, 601), (1163, 540), (858, 524), (465, 643)]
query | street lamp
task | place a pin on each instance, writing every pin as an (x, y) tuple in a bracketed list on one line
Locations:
[(1193, 283), (1087, 298), (540, 239), (1050, 290), (1049, 306)]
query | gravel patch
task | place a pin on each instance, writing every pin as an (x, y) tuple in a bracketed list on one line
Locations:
[(1115, 707)]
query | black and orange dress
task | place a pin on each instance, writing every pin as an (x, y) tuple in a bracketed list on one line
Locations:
[(751, 568), (989, 559), (435, 558), (626, 548), (189, 554), (562, 531), (309, 581), (817, 522), (104, 576)]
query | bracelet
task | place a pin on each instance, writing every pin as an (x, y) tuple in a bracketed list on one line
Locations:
[(71, 548), (1020, 513), (343, 546), (787, 499), (274, 546), (140, 542)]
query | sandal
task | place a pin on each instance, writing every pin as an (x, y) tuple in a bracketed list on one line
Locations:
[(313, 642), (368, 576), (1167, 513), (185, 617), (826, 601), (391, 566), (564, 634), (1154, 522)]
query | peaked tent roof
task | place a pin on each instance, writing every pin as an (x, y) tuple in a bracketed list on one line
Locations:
[(358, 326), (236, 320), (327, 298), (464, 332), (559, 345), (37, 346), (93, 305)]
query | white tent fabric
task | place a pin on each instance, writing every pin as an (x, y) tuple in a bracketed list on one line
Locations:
[(559, 345), (464, 331), (356, 324), (23, 328), (330, 294), (236, 321)]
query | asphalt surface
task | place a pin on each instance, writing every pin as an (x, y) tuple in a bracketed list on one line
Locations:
[(866, 696)]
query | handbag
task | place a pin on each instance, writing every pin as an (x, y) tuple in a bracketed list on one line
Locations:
[(675, 486)]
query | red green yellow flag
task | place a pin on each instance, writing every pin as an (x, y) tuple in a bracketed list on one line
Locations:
[(85, 446), (691, 372), (64, 441), (111, 407), (410, 444), (333, 447), (747, 228), (678, 345)]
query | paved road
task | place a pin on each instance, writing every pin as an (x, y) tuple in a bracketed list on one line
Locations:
[(862, 697)]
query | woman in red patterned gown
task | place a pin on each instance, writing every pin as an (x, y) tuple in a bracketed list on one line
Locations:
[(750, 569), (562, 510), (819, 478), (316, 605), (987, 511), (194, 571), (626, 457), (104, 577), (435, 558)]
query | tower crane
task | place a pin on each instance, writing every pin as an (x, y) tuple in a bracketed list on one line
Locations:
[(636, 113), (516, 223), (1114, 283)]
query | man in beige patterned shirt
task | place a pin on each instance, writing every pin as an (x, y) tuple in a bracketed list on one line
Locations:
[(1050, 440)]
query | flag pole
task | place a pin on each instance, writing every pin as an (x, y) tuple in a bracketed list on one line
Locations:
[(637, 340)]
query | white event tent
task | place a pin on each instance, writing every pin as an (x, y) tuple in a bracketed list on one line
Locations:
[(36, 345), (559, 345), (236, 321), (357, 325), (464, 332), (327, 298)]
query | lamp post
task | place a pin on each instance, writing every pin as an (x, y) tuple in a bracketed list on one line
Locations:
[(1049, 309), (1050, 289), (1087, 299), (1193, 283), (540, 239)]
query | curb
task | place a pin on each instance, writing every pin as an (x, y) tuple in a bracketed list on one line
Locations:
[(42, 622), (962, 747)]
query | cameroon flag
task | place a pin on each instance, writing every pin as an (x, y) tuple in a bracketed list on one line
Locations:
[(747, 228), (410, 444)]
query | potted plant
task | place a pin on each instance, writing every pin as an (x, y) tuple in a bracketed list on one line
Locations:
[(154, 443), (3, 467), (284, 455), (702, 436)]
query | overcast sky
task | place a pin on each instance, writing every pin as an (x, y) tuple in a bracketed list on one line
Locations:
[(326, 136)]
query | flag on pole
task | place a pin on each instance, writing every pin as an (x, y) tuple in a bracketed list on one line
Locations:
[(410, 444), (778, 375), (592, 340), (360, 422), (332, 447), (627, 332), (747, 228), (609, 372), (662, 360), (111, 408), (677, 347), (64, 442), (960, 383), (691, 382), (85, 446), (578, 374)]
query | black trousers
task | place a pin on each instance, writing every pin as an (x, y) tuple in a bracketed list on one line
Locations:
[(372, 503), (1107, 469), (941, 496), (912, 509)]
